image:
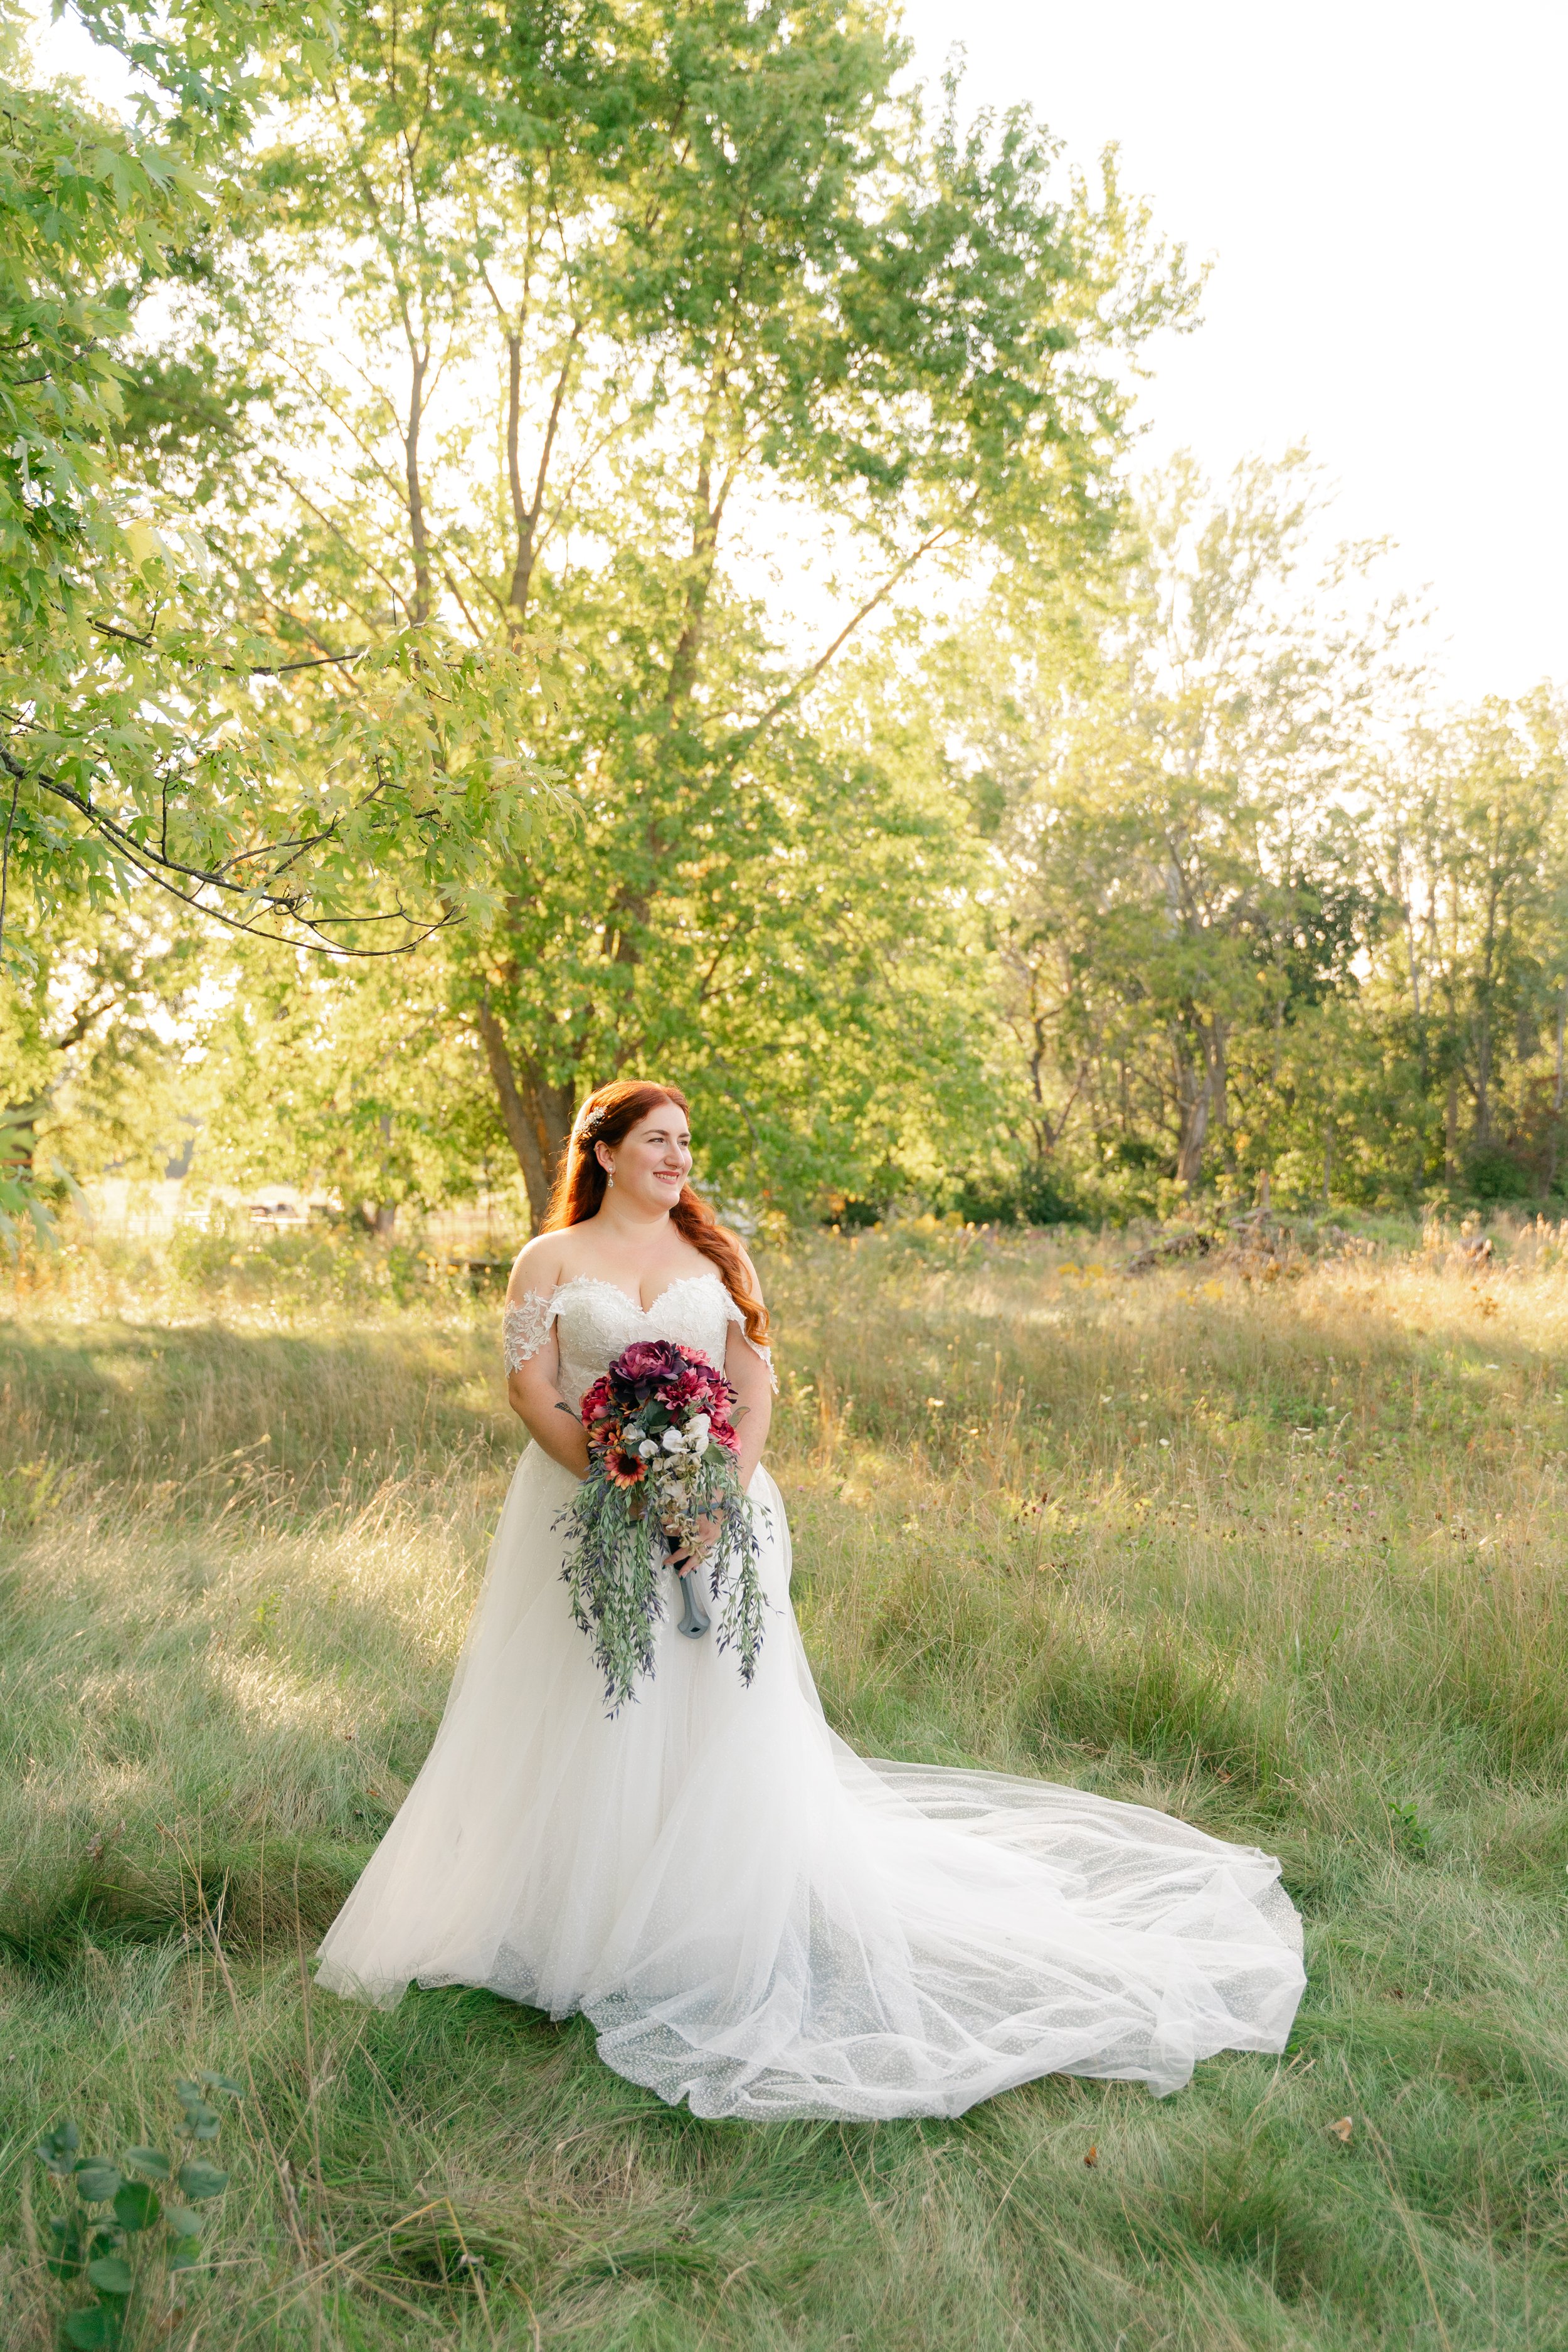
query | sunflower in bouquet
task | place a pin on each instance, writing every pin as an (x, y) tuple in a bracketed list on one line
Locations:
[(662, 1488)]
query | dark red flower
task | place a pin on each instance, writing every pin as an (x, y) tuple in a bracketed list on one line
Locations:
[(649, 1360)]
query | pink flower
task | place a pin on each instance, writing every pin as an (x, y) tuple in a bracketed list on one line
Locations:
[(649, 1360)]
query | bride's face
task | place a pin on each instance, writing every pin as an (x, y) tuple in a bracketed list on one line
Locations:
[(652, 1160)]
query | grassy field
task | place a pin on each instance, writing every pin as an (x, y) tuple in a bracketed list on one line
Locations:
[(1280, 1550)]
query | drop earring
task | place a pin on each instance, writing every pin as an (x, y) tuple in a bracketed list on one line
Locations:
[(610, 1179)]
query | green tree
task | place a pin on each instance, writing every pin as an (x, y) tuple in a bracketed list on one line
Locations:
[(1468, 830), (1170, 798), (602, 293), (151, 724)]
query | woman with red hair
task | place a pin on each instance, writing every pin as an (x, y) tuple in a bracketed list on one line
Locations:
[(755, 1918)]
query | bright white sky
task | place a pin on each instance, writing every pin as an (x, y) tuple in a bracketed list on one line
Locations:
[(1382, 187)]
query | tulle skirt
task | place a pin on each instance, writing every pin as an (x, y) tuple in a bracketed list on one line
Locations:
[(763, 1923)]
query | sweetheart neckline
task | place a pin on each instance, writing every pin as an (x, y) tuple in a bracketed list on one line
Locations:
[(601, 1282)]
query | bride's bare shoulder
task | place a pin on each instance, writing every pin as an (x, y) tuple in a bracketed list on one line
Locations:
[(538, 1266)]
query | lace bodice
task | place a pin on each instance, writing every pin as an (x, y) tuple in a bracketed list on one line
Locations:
[(595, 1321)]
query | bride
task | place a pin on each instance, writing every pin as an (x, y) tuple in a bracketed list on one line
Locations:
[(755, 1918)]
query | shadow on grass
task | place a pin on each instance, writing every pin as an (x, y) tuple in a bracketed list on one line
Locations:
[(205, 1416)]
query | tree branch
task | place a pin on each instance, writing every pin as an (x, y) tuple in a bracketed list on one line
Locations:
[(808, 678), (279, 905), (231, 669)]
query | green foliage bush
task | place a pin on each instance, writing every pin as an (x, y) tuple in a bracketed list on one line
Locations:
[(1035, 1196), (1496, 1176), (101, 2235)]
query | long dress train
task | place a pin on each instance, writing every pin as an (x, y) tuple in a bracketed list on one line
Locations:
[(755, 1918)]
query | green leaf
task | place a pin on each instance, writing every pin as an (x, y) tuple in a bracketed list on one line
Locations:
[(199, 2180), (223, 2083), (201, 2121), (58, 2148), (93, 2331), (96, 2179), (185, 2254), (147, 2161), (110, 2274), (64, 2258), (182, 2222), (136, 2206)]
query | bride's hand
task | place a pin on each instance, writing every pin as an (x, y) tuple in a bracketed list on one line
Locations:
[(683, 1563)]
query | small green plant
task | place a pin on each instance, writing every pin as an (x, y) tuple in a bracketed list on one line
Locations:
[(1409, 1830), (126, 2219)]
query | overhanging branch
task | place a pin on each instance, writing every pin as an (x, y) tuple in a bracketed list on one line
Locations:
[(278, 907), (230, 669)]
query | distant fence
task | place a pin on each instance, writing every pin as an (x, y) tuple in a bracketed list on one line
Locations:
[(490, 1230)]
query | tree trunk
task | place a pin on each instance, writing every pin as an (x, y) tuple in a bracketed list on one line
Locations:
[(1451, 1126), (1557, 1094), (537, 1117), (707, 511), (418, 532), (1201, 1101), (526, 515), (1193, 1106), (1216, 1039), (383, 1214), (1484, 1079)]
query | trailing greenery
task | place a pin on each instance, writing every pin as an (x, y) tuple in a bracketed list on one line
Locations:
[(1270, 1538)]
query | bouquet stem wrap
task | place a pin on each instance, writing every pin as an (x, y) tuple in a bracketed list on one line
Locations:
[(662, 1480)]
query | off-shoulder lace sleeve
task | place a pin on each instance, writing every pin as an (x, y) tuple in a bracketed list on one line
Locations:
[(526, 1327), (733, 1315)]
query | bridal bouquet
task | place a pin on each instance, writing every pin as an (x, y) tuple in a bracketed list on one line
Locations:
[(661, 1480)]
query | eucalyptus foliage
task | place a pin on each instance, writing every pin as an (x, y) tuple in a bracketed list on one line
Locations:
[(618, 1561)]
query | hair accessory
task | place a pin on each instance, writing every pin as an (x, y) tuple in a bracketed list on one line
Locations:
[(592, 1124)]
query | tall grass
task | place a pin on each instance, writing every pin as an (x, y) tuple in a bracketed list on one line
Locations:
[(1282, 1555)]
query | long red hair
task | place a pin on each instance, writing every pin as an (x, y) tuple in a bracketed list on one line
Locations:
[(609, 1114)]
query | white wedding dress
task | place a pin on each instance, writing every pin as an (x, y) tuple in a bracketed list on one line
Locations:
[(754, 1918)]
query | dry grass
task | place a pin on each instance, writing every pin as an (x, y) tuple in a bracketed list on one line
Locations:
[(1281, 1555)]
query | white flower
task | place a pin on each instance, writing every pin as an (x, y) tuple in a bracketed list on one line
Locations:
[(673, 1441), (696, 1434), (647, 1448)]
